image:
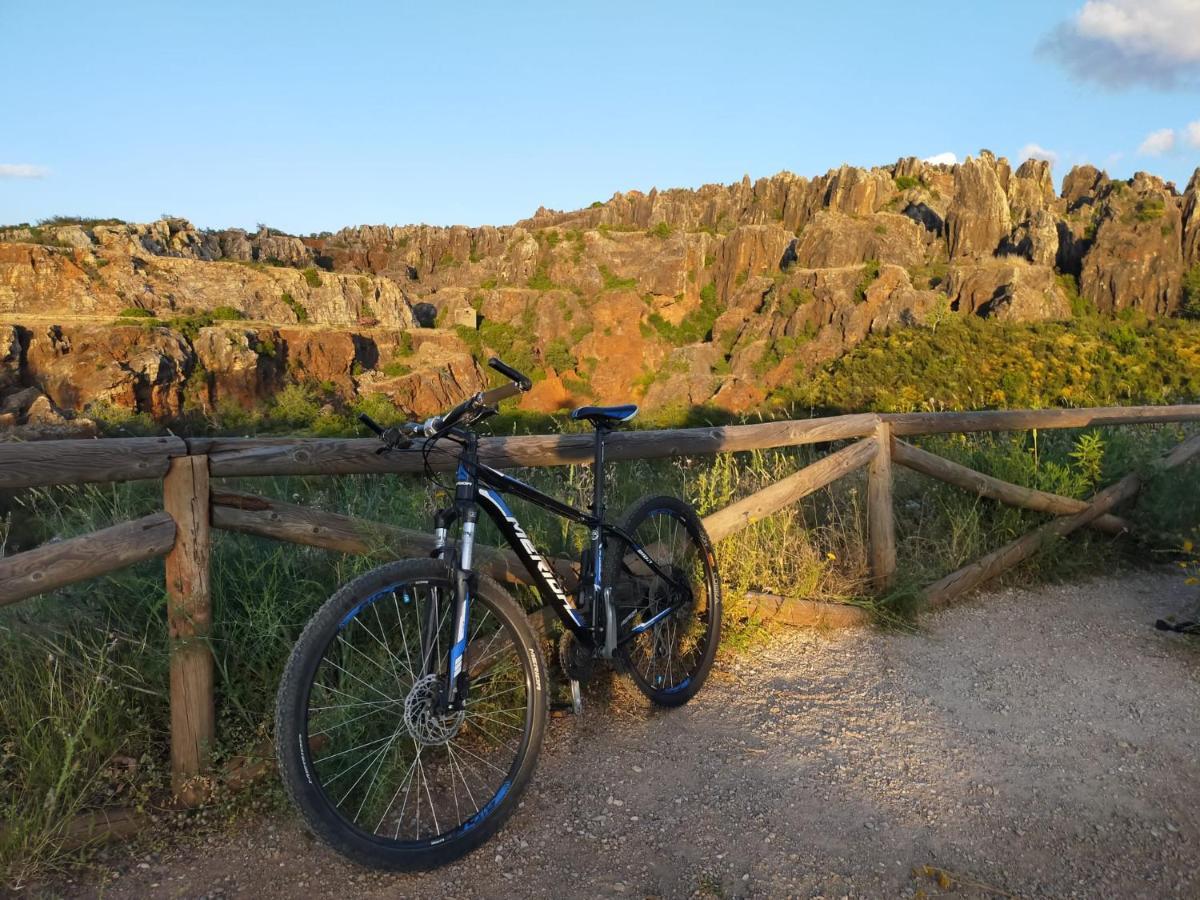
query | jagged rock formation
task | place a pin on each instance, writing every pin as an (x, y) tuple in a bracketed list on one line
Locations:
[(677, 297)]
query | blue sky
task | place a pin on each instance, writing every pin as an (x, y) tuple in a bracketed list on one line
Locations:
[(309, 117)]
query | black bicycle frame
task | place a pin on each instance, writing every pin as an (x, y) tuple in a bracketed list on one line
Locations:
[(479, 485)]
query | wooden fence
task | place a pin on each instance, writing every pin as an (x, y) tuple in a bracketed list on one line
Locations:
[(192, 507)]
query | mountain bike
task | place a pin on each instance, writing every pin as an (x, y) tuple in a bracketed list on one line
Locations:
[(413, 706)]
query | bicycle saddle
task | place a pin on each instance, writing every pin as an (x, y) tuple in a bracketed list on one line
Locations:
[(605, 415)]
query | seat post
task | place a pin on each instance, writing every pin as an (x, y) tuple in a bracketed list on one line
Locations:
[(598, 473)]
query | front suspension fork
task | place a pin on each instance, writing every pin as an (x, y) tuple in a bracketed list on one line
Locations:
[(464, 583)]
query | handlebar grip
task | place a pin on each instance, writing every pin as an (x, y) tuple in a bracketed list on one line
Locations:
[(371, 423), (510, 372)]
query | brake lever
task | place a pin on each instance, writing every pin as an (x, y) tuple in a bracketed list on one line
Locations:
[(393, 439)]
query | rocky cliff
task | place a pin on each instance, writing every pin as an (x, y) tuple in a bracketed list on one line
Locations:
[(675, 298)]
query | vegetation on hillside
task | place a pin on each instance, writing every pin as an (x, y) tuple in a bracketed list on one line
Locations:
[(968, 363)]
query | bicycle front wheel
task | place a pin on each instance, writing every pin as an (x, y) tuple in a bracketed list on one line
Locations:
[(378, 767), (669, 626)]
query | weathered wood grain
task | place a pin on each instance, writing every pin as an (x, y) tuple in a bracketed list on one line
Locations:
[(60, 563), (189, 624), (904, 424), (806, 613), (316, 456), (35, 463), (283, 521), (881, 519), (771, 499)]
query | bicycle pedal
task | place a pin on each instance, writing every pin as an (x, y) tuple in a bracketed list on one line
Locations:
[(572, 707)]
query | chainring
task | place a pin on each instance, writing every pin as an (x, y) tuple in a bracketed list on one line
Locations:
[(575, 659)]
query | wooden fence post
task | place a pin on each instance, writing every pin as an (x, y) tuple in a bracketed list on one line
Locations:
[(881, 523), (189, 619)]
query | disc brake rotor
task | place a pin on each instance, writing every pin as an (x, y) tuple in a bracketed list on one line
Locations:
[(427, 726)]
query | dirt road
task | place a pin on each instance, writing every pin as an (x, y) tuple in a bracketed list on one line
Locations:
[(1029, 743)]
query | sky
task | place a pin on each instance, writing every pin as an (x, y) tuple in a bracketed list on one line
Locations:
[(311, 117)]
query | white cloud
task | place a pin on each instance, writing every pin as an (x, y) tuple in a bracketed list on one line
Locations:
[(942, 159), (1158, 142), (22, 170), (1036, 151), (1119, 43), (1191, 134)]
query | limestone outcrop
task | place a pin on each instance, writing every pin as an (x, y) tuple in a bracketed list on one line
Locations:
[(716, 295)]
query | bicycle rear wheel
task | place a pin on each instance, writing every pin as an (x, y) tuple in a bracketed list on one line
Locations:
[(379, 771), (669, 627)]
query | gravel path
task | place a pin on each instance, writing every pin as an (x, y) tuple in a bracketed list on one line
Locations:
[(1033, 743)]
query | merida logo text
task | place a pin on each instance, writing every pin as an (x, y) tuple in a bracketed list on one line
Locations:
[(543, 567)]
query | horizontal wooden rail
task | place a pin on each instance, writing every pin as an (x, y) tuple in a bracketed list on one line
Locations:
[(281, 521), (123, 459), (994, 489), (250, 457), (806, 613), (905, 424), (35, 463), (60, 563), (774, 497)]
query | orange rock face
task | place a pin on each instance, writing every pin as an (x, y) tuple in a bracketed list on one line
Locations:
[(674, 298)]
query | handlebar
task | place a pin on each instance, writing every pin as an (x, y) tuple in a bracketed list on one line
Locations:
[(371, 423), (394, 438), (522, 381)]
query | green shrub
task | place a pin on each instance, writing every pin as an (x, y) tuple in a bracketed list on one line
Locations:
[(1123, 336), (312, 277), (596, 204), (189, 325), (907, 182), (661, 230), (613, 283), (870, 272), (1081, 307), (1150, 208), (227, 314), (970, 363), (295, 306), (540, 280), (929, 275), (795, 298), (396, 368), (696, 326), (558, 355), (1191, 292), (295, 406)]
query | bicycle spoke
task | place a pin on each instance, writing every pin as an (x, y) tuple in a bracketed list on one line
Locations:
[(401, 766)]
